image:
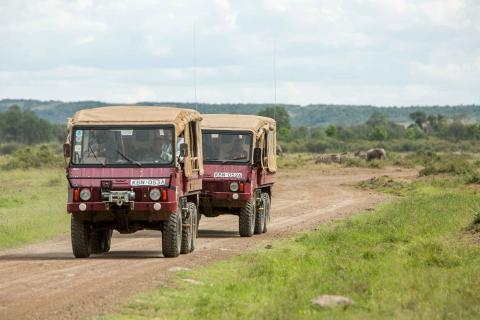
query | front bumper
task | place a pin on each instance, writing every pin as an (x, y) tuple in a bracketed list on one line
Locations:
[(166, 207), (226, 196)]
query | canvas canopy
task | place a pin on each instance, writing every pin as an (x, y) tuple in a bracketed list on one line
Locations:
[(135, 115), (138, 115), (237, 122), (264, 129)]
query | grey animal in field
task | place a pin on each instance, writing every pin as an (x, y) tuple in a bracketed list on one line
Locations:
[(329, 158), (323, 158), (377, 153)]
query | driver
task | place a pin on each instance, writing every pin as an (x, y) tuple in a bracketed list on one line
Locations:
[(96, 145), (166, 141)]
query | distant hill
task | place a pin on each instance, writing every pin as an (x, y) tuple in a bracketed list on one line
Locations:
[(308, 116)]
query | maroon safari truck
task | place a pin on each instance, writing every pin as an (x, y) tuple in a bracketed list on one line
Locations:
[(240, 165), (132, 168)]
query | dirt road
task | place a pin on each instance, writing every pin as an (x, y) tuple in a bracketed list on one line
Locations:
[(44, 281)]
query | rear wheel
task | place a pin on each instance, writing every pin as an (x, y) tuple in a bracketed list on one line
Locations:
[(172, 235), (247, 219), (267, 202), (189, 235), (260, 217), (80, 234), (195, 220)]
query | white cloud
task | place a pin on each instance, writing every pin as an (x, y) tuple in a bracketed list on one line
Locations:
[(391, 52)]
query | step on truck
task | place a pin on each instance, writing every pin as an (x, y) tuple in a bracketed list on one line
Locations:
[(131, 168), (240, 164)]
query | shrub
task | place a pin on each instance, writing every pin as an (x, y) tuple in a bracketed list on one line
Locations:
[(448, 164), (9, 148), (33, 157)]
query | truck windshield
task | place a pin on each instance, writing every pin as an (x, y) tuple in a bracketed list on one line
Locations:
[(227, 147), (123, 146)]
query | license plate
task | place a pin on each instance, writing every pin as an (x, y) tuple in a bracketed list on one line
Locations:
[(235, 175), (147, 182)]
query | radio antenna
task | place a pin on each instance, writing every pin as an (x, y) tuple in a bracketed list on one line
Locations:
[(275, 78), (195, 62)]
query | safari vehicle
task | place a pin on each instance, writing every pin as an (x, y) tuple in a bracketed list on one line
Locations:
[(240, 165), (132, 168)]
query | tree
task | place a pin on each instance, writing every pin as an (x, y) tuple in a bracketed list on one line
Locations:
[(419, 118), (331, 131), (379, 133), (23, 127), (280, 115), (377, 118)]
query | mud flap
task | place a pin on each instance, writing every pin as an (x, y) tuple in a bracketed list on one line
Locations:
[(121, 216)]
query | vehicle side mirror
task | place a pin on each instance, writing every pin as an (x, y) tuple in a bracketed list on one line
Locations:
[(67, 150), (184, 150), (257, 155)]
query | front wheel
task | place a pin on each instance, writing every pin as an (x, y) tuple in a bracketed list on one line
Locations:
[(246, 219), (172, 235), (80, 235)]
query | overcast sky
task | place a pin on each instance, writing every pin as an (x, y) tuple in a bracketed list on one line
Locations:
[(381, 52)]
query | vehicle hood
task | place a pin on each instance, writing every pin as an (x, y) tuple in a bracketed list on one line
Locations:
[(120, 177), (226, 172)]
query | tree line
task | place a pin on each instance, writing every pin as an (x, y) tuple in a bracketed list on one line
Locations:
[(25, 127), (423, 131)]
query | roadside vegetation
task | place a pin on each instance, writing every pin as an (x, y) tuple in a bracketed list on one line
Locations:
[(421, 132), (417, 257), (32, 206)]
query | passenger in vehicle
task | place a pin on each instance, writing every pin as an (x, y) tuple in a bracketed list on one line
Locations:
[(166, 153), (239, 151), (180, 141)]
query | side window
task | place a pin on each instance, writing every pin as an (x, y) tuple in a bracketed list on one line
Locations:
[(265, 151), (271, 151), (193, 147)]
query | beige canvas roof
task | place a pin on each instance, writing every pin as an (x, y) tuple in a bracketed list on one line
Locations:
[(135, 115), (237, 122)]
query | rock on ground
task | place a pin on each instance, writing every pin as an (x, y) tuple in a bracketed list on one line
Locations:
[(331, 301)]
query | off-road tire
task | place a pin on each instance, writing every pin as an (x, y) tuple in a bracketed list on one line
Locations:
[(267, 203), (260, 218), (80, 235), (100, 241), (194, 229), (188, 233), (246, 221), (172, 235)]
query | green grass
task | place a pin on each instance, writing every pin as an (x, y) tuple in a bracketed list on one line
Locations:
[(32, 205), (295, 160), (405, 260)]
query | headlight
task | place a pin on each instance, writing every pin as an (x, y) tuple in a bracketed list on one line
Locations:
[(234, 186), (155, 194), (85, 194)]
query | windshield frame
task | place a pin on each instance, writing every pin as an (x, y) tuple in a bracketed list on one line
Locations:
[(123, 127), (232, 132)]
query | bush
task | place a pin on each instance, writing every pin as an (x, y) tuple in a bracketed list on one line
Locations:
[(448, 164), (33, 157), (9, 148), (355, 162)]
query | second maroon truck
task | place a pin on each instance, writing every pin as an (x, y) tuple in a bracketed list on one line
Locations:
[(240, 165)]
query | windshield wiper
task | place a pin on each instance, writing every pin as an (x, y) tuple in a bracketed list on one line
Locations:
[(128, 159), (95, 156)]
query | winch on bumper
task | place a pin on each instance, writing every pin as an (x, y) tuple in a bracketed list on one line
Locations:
[(119, 198)]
